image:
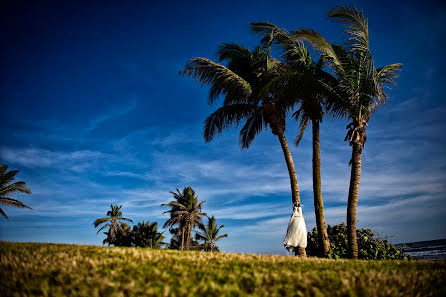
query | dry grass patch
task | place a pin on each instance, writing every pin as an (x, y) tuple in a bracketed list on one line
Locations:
[(35, 269)]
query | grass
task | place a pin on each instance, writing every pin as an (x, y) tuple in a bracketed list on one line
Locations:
[(38, 269)]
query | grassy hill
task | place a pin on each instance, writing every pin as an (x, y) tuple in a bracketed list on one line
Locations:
[(38, 269)]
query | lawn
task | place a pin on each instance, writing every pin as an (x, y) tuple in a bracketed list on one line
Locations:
[(38, 269)]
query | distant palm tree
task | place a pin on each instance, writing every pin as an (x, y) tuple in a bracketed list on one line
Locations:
[(186, 212), (175, 219), (146, 234), (122, 238), (361, 85), (114, 221), (243, 84), (7, 188), (209, 233)]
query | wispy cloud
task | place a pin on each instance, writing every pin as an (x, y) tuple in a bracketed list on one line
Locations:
[(35, 157), (111, 113)]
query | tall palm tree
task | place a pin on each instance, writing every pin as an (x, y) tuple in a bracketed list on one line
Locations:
[(115, 221), (361, 85), (242, 83), (7, 187), (313, 89), (209, 233), (186, 212)]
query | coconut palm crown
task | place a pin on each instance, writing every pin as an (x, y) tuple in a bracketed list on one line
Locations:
[(115, 221), (8, 187), (362, 87), (209, 234)]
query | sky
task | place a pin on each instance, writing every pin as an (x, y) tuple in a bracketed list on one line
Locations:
[(94, 112)]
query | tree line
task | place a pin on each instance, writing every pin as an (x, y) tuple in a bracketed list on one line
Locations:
[(311, 78), (185, 215)]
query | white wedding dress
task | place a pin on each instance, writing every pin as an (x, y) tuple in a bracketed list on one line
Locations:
[(296, 234)]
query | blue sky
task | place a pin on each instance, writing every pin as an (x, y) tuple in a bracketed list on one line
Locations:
[(94, 112)]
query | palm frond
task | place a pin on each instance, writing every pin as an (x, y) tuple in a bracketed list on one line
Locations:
[(318, 42), (269, 31), (103, 227), (225, 117), (253, 126), (3, 213), (97, 222), (222, 80), (221, 236), (303, 123), (356, 24), (230, 51), (388, 73), (16, 187), (7, 176), (126, 219), (13, 202)]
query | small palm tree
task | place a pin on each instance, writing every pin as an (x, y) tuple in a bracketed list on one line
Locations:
[(174, 219), (122, 238), (209, 234), (7, 187), (146, 234), (362, 87), (186, 212), (115, 221)]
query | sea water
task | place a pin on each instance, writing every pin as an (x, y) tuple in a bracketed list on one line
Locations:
[(426, 250)]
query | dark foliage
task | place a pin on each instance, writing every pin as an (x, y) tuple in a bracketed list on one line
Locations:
[(143, 234), (175, 241), (370, 245)]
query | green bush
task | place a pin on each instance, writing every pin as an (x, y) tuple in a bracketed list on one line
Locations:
[(370, 245)]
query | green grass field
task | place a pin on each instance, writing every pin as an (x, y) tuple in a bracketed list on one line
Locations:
[(35, 269)]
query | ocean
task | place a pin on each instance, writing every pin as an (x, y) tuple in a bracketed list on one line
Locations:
[(426, 250)]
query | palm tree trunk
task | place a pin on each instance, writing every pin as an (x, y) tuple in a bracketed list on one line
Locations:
[(189, 231), (352, 247), (293, 179), (182, 238), (318, 204)]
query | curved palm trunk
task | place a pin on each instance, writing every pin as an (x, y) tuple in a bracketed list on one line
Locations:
[(352, 247), (318, 204), (293, 179)]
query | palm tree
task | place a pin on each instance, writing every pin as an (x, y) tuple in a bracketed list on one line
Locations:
[(210, 233), (146, 234), (122, 238), (7, 187), (242, 83), (186, 212), (361, 85), (312, 87), (114, 221), (175, 219)]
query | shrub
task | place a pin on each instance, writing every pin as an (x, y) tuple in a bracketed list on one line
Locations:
[(370, 245)]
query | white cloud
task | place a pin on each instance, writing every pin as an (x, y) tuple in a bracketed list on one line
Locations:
[(35, 157)]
